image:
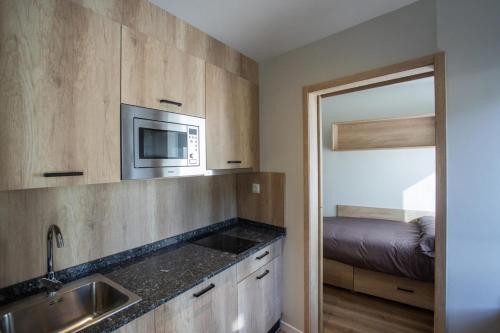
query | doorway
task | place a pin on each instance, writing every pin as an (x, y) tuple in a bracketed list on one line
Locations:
[(432, 65)]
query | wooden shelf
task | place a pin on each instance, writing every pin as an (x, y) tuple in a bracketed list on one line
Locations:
[(384, 133)]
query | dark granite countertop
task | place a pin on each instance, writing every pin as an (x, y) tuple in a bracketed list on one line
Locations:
[(169, 272)]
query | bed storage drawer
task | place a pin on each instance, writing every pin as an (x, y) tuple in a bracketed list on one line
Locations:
[(338, 274), (255, 261), (399, 289)]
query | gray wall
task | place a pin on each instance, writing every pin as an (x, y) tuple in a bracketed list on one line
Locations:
[(398, 36), (387, 178), (469, 33)]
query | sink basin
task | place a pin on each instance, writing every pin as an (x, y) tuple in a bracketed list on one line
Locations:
[(77, 305)]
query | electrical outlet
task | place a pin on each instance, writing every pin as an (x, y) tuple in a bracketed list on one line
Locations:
[(256, 188)]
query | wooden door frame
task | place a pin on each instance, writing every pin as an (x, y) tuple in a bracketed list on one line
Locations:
[(313, 191)]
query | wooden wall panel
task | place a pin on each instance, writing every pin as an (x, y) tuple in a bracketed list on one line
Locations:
[(145, 17), (111, 9), (269, 205), (99, 220), (402, 215), (384, 133)]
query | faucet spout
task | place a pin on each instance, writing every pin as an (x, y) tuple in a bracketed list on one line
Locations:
[(50, 282)]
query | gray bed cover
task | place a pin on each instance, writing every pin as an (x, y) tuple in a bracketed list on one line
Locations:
[(380, 245)]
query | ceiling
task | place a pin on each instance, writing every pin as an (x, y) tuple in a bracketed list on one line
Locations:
[(262, 29)]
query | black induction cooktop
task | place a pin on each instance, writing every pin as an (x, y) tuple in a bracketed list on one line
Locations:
[(225, 243)]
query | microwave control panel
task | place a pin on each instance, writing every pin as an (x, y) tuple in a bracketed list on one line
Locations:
[(193, 145)]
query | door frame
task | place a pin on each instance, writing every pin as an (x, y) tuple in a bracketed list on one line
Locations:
[(313, 233)]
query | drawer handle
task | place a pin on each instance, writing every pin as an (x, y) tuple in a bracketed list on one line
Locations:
[(262, 255), (170, 102), (63, 174), (263, 274), (234, 162), (201, 292), (406, 290)]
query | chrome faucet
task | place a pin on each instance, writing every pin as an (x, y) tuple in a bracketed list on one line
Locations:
[(50, 282)]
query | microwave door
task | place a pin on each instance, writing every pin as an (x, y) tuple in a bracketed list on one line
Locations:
[(160, 144)]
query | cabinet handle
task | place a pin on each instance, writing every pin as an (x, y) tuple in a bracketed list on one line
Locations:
[(201, 292), (406, 290), (234, 162), (63, 174), (262, 255), (170, 102), (263, 274)]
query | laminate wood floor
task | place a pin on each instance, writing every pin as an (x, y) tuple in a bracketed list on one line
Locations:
[(345, 311)]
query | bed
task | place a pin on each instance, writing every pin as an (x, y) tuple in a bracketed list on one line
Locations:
[(382, 252)]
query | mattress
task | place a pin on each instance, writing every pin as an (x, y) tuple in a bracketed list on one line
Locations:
[(380, 245)]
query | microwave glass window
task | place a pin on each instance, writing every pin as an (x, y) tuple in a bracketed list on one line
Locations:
[(158, 144)]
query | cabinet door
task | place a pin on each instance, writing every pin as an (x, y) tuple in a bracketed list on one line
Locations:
[(60, 94), (232, 120), (143, 324), (208, 307), (154, 73), (259, 299)]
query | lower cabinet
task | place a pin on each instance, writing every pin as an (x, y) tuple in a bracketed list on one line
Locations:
[(259, 299), (221, 304), (143, 324), (209, 307)]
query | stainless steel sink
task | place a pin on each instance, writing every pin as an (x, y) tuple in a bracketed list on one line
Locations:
[(77, 305)]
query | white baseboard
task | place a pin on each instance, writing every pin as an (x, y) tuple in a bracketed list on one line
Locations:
[(289, 328)]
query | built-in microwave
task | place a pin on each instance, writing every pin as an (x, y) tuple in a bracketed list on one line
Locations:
[(157, 144)]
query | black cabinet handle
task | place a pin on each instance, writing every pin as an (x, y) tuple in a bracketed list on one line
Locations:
[(406, 290), (170, 102), (234, 162), (262, 255), (201, 292), (63, 174), (263, 274)]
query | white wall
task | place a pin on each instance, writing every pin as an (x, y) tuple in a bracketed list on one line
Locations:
[(388, 178), (469, 33), (398, 36)]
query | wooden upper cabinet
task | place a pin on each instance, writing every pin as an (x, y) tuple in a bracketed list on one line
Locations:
[(60, 94), (210, 307), (405, 132), (153, 71), (232, 126)]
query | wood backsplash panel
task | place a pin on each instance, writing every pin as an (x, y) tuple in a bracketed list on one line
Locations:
[(269, 205), (100, 220)]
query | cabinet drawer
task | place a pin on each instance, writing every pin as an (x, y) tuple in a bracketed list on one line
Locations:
[(210, 307), (338, 274), (258, 259), (399, 289)]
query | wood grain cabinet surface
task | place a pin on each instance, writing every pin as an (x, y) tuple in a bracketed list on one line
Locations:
[(153, 71), (143, 324), (211, 307), (60, 94), (259, 299), (232, 126)]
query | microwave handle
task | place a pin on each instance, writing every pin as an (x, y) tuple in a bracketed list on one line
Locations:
[(170, 102)]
